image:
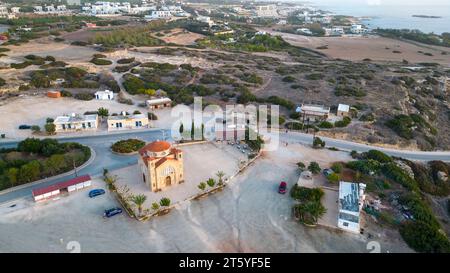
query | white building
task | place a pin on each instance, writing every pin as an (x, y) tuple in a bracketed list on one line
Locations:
[(158, 103), (15, 10), (205, 19), (266, 11), (75, 122), (334, 31), (158, 14), (305, 31), (358, 29), (343, 110), (104, 95), (351, 198)]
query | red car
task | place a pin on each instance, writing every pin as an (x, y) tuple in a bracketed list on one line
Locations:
[(282, 188)]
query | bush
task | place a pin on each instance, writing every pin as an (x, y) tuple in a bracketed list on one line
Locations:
[(97, 61), (334, 178), (424, 238), (350, 91), (84, 96), (337, 167), (289, 79), (397, 174), (343, 123), (127, 146), (318, 143), (65, 93), (378, 156), (2, 82), (326, 125), (402, 125), (314, 167), (126, 60)]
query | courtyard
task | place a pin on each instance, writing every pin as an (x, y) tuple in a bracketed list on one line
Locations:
[(201, 162)]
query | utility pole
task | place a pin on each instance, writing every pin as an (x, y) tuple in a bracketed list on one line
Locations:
[(75, 167)]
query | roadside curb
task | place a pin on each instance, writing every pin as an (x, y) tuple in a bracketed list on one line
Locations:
[(87, 163)]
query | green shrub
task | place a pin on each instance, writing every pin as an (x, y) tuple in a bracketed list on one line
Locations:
[(97, 61), (126, 60), (314, 167), (337, 167), (378, 156), (84, 96), (289, 79), (343, 123), (424, 238), (318, 143), (127, 146), (326, 125)]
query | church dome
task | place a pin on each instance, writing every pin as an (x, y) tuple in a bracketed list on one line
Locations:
[(157, 147)]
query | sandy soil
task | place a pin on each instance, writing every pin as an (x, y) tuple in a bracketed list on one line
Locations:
[(375, 48), (34, 110), (180, 37)]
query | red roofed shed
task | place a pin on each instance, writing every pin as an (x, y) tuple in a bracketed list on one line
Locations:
[(68, 186)]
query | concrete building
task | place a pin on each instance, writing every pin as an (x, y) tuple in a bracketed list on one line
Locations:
[(343, 110), (205, 19), (314, 111), (158, 14), (158, 103), (266, 11), (127, 122), (358, 29), (161, 165), (75, 122), (104, 95), (351, 198)]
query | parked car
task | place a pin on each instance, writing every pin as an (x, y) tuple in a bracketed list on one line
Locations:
[(327, 172), (24, 127), (96, 192), (111, 212), (282, 188)]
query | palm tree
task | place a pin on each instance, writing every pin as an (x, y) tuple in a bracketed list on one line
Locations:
[(139, 200), (164, 202), (202, 186), (220, 175), (211, 182)]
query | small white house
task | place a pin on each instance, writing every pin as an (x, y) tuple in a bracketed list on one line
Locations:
[(104, 95), (343, 110)]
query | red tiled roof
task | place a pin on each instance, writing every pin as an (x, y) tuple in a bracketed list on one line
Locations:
[(156, 147), (61, 185)]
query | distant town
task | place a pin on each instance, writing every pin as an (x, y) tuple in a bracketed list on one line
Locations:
[(256, 126)]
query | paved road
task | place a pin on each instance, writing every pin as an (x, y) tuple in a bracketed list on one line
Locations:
[(106, 160), (295, 137), (104, 157)]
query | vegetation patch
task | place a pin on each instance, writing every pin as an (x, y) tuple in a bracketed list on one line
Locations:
[(127, 146)]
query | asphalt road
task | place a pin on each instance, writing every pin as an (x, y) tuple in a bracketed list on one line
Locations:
[(294, 137), (105, 159)]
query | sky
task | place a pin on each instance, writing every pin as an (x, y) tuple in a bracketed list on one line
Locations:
[(384, 2)]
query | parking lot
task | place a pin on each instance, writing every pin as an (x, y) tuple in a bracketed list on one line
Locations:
[(247, 216)]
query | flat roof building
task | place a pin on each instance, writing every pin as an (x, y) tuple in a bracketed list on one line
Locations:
[(351, 198), (75, 122), (158, 103), (124, 122), (314, 111)]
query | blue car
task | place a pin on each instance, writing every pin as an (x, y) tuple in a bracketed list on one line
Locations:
[(111, 212), (96, 192)]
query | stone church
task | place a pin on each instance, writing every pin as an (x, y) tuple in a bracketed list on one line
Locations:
[(161, 165)]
